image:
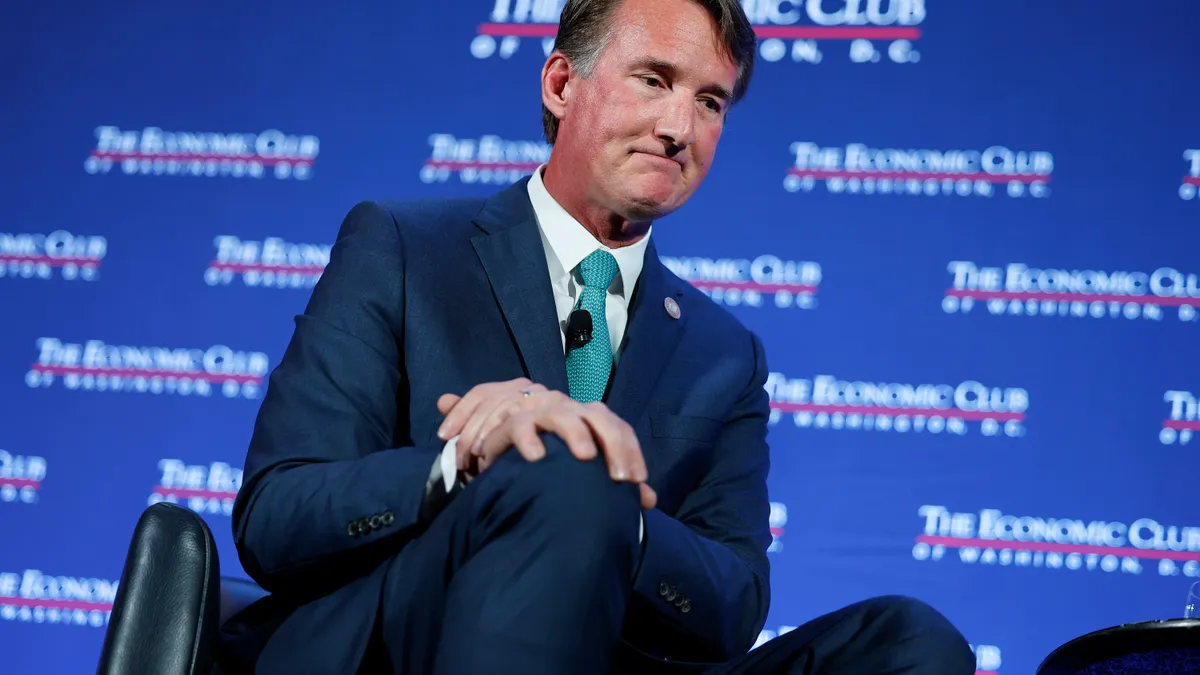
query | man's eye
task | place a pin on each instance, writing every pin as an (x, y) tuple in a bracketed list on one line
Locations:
[(651, 80)]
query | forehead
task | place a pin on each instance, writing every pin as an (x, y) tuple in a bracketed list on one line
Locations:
[(678, 32)]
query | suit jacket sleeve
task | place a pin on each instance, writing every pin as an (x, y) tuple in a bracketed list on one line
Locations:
[(710, 559), (325, 491)]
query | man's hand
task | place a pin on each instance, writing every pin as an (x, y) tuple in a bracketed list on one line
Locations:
[(492, 417), (481, 410)]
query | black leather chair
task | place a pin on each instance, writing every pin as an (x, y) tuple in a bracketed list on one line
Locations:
[(171, 600)]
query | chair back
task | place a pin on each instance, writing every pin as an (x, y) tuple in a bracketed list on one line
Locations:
[(164, 616)]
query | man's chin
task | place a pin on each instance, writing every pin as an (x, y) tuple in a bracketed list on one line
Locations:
[(650, 202), (646, 207)]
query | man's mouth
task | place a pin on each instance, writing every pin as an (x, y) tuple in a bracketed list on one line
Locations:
[(662, 157)]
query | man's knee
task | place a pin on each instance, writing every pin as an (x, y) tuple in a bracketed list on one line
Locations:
[(923, 628), (563, 493)]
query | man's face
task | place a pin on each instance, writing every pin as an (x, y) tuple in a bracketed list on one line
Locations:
[(644, 126)]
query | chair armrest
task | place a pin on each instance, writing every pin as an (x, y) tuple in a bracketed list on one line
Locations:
[(164, 617)]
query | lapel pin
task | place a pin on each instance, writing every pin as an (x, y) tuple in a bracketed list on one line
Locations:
[(672, 307)]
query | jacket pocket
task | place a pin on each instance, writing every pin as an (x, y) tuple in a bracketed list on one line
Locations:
[(701, 429)]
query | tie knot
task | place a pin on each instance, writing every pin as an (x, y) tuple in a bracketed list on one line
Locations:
[(598, 269)]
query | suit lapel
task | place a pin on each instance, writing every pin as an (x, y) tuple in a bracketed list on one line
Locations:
[(651, 336), (510, 250)]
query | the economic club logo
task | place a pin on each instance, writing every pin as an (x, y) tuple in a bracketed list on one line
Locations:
[(96, 366), (152, 151), (207, 489), (1183, 418), (21, 477), (487, 160), (32, 596), (1020, 290), (827, 402), (764, 281), (859, 169), (60, 254), (802, 31), (270, 263), (993, 538)]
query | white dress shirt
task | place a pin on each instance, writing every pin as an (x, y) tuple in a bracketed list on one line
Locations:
[(566, 243)]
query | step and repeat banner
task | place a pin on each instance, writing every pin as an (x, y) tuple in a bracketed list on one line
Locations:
[(967, 232)]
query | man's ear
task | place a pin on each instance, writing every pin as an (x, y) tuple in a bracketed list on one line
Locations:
[(557, 77)]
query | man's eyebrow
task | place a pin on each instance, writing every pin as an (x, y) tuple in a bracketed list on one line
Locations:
[(669, 70), (719, 91)]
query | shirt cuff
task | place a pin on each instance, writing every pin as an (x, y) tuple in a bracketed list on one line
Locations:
[(443, 482), (445, 468), (448, 464)]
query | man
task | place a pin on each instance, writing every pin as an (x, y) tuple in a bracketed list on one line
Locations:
[(434, 487)]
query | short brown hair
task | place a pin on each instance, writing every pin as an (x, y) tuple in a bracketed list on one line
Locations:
[(584, 28)]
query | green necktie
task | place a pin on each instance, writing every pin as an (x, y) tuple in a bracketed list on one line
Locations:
[(589, 366)]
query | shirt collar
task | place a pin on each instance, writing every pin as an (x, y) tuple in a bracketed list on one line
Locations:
[(568, 242)]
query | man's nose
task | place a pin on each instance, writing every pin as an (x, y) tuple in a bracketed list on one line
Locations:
[(677, 123)]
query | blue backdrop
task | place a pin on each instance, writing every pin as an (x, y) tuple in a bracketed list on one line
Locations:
[(967, 232)]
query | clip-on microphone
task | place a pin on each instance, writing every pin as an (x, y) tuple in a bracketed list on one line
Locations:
[(579, 329)]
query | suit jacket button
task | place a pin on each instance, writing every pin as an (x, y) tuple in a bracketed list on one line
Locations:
[(686, 606), (388, 518), (663, 589), (375, 522), (672, 595), (680, 600), (351, 529)]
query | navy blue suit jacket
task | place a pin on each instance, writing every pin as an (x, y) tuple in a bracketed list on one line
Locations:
[(424, 298)]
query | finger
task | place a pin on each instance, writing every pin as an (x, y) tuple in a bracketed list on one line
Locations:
[(519, 430), (501, 414), (566, 422), (639, 471), (622, 458), (463, 458), (463, 409), (469, 435), (497, 443), (491, 420), (649, 497), (524, 436), (498, 394), (537, 397), (446, 402)]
